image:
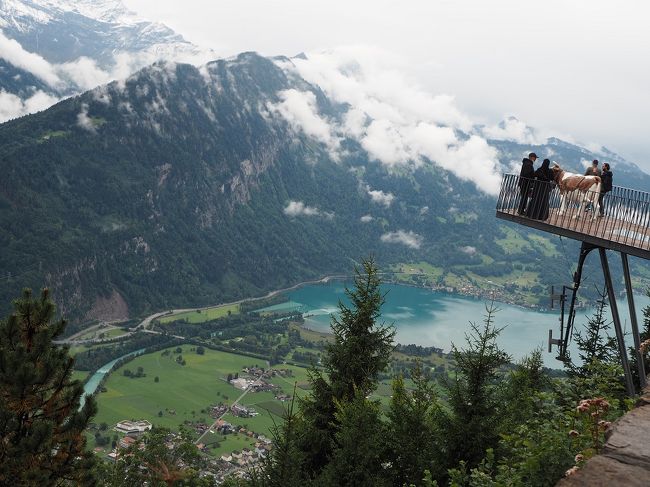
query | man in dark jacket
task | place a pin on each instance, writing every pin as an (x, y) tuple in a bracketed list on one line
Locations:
[(526, 176), (605, 186)]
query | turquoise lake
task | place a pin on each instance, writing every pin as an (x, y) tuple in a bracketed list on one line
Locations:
[(431, 318)]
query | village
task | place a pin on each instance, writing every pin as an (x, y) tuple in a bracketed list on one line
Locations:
[(252, 380)]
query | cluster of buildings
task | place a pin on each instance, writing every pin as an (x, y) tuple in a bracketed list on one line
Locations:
[(132, 428), (132, 431), (256, 380), (248, 457), (242, 411)]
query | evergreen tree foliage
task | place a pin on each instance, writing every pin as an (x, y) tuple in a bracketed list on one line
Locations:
[(359, 459), (595, 344), (599, 371), (281, 467), (412, 433), (360, 351), (361, 347), (41, 426), (644, 334), (521, 395), (473, 422)]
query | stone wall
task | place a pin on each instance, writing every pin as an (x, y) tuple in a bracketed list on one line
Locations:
[(625, 459)]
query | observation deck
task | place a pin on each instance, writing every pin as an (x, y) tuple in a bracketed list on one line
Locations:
[(625, 226)]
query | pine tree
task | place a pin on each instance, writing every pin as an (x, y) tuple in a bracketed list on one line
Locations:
[(599, 370), (360, 351), (473, 423), (361, 347), (41, 425), (281, 468), (359, 459), (414, 443), (595, 344)]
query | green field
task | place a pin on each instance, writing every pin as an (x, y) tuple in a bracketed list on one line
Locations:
[(201, 316), (76, 349), (227, 444), (544, 244), (102, 333), (183, 391), (513, 242), (418, 268), (79, 375)]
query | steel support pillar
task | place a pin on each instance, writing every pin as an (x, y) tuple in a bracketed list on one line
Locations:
[(577, 278), (629, 385), (635, 326)]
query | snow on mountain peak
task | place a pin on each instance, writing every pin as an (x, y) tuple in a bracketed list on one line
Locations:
[(24, 12)]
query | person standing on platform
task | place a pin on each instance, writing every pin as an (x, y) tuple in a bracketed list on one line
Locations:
[(605, 186), (538, 208), (526, 176), (593, 170)]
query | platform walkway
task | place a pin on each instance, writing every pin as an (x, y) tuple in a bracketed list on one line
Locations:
[(625, 226)]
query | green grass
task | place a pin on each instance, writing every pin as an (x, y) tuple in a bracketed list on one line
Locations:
[(201, 316), (312, 335), (80, 375), (106, 333), (299, 377), (544, 245), (51, 134), (194, 387), (431, 271), (229, 443), (184, 389), (76, 349), (273, 407), (513, 242), (465, 217)]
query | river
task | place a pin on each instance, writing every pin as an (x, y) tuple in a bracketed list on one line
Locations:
[(91, 385), (431, 318)]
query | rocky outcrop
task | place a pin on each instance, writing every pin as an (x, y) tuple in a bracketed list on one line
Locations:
[(625, 459), (109, 308)]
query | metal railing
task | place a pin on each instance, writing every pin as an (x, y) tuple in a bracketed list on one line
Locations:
[(626, 212)]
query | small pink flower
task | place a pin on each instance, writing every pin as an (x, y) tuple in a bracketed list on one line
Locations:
[(571, 471), (644, 346), (604, 424)]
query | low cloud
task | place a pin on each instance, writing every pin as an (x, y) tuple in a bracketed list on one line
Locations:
[(11, 106), (396, 122), (14, 53), (299, 108), (298, 208), (514, 130), (379, 197), (84, 121), (468, 249), (366, 218), (84, 73), (410, 239)]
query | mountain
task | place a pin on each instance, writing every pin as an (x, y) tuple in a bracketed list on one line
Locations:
[(186, 186), (62, 47)]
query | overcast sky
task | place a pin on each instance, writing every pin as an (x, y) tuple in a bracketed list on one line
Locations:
[(577, 69)]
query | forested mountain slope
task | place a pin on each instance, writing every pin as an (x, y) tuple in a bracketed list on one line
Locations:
[(185, 186)]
